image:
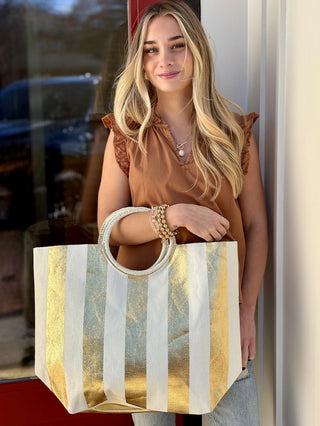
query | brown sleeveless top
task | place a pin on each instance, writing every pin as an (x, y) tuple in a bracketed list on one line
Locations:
[(159, 176)]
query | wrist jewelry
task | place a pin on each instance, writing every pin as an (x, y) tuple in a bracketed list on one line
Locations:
[(153, 219), (159, 222)]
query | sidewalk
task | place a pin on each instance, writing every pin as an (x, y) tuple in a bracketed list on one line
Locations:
[(15, 345)]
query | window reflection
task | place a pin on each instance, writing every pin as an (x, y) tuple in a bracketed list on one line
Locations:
[(61, 58)]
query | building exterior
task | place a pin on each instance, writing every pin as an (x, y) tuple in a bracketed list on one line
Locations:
[(267, 60)]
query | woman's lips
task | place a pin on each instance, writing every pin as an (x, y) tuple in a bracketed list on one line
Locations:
[(168, 75)]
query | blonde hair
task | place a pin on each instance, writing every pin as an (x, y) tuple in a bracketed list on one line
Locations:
[(214, 122)]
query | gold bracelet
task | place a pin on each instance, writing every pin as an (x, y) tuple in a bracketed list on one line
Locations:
[(159, 222), (153, 219)]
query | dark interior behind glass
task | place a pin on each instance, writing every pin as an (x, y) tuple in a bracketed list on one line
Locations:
[(58, 64)]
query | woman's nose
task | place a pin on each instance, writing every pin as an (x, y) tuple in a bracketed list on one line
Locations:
[(166, 57)]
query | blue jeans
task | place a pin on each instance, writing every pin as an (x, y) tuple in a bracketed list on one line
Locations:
[(238, 407)]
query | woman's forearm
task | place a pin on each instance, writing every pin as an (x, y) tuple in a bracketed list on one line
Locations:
[(137, 228), (256, 257), (133, 229)]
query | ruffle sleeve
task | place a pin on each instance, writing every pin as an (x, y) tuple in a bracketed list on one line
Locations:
[(119, 143), (247, 122)]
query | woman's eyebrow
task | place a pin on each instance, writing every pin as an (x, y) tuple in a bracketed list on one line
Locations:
[(169, 39), (175, 37)]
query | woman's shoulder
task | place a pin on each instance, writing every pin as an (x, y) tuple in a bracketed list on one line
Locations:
[(110, 122), (246, 121), (119, 142)]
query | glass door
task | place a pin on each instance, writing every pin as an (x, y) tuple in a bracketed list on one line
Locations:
[(58, 61)]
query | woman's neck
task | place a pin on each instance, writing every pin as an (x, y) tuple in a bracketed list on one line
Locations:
[(175, 111)]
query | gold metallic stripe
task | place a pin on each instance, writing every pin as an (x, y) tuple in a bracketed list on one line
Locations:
[(93, 330), (136, 349), (218, 296), (57, 262), (178, 332)]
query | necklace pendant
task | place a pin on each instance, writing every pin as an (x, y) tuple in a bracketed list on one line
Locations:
[(181, 152)]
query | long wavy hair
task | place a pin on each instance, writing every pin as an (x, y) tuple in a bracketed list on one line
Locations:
[(214, 125)]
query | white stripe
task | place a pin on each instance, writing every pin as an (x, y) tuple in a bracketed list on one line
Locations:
[(73, 325), (199, 329), (233, 308), (40, 258), (157, 341), (114, 337)]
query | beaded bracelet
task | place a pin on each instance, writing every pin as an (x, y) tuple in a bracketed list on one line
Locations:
[(153, 218), (159, 222)]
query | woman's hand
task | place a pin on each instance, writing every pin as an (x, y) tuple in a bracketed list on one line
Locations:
[(247, 333), (200, 220)]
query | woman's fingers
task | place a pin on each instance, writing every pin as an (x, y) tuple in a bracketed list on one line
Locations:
[(252, 351), (244, 355), (215, 236), (214, 233), (225, 223), (248, 333), (218, 227), (248, 353), (218, 233)]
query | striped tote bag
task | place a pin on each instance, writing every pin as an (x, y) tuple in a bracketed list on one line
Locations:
[(110, 339)]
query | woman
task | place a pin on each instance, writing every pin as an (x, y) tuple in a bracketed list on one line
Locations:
[(175, 141)]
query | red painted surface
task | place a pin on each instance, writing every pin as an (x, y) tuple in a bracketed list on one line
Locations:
[(136, 7), (30, 402)]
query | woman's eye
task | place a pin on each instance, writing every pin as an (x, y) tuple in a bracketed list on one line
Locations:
[(150, 51), (178, 46)]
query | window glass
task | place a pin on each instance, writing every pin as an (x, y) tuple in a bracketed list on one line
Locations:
[(59, 59)]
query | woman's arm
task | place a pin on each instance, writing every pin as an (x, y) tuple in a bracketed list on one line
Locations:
[(252, 205), (114, 193)]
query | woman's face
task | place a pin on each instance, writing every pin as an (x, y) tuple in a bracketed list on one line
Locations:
[(167, 60)]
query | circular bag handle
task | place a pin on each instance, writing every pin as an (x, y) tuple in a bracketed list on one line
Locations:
[(104, 237)]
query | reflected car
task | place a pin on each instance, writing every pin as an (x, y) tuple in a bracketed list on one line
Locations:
[(45, 142)]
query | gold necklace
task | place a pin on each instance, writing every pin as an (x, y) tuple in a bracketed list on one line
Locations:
[(180, 145), (180, 149)]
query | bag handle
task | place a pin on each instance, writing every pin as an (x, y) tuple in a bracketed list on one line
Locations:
[(104, 237)]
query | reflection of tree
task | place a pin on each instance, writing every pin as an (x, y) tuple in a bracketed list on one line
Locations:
[(113, 59), (109, 11), (73, 43), (13, 60), (104, 102)]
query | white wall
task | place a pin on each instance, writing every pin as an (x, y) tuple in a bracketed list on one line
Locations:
[(267, 57), (226, 26), (245, 73), (301, 163)]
